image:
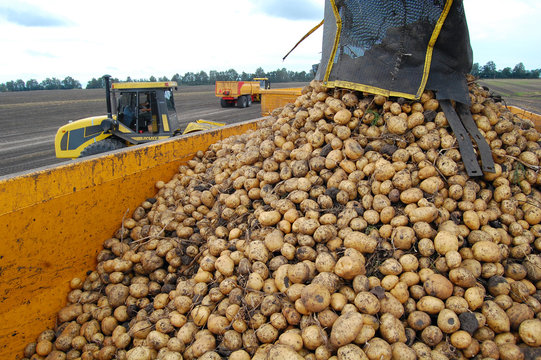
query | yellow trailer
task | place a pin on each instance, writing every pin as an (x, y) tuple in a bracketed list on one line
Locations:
[(525, 114), (240, 93), (54, 222), (275, 98)]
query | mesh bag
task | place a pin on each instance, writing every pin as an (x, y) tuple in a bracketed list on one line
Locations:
[(396, 47)]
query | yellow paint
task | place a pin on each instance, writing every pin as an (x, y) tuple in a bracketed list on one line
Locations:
[(144, 85), (275, 98), (430, 47), (54, 221), (165, 122), (232, 88), (525, 114), (82, 123)]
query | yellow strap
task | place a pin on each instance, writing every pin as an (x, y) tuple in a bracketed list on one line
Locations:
[(431, 43), (304, 37), (336, 41)]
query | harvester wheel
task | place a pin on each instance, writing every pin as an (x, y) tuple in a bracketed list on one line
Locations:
[(249, 102), (102, 146), (241, 102), (223, 103)]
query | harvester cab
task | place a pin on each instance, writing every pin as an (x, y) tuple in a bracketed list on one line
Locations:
[(264, 83), (137, 113)]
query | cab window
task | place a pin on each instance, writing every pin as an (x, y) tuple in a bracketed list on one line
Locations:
[(169, 100)]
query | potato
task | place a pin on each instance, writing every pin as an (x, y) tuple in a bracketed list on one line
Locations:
[(461, 339), (397, 125), (225, 265), (431, 335), (315, 297), (367, 303), (486, 251), (352, 149), (283, 352), (462, 277), (377, 349), (267, 333), (269, 218), (448, 321), (203, 344), (411, 195), (139, 353), (402, 351), (346, 328), (348, 267), (342, 116), (313, 336), (447, 166), (392, 329), (529, 332), (418, 320), (430, 305), (496, 318), (425, 214), (445, 241), (350, 352), (439, 286), (403, 237)]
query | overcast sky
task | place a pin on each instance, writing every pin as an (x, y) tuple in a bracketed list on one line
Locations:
[(59, 38)]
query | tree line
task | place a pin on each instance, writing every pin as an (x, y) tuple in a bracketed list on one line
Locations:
[(188, 79), (47, 84), (489, 71)]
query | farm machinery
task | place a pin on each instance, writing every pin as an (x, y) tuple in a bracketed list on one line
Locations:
[(241, 93), (143, 112)]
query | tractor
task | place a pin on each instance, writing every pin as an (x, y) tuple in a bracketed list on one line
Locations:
[(143, 112)]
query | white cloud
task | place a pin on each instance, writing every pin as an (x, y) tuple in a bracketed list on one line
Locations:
[(139, 39), (133, 38)]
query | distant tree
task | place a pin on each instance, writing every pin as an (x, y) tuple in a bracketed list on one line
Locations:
[(259, 72), (19, 85), (32, 84), (213, 76), (282, 75), (163, 78), (232, 75), (152, 79), (505, 73), (70, 83), (519, 71), (9, 85), (535, 73), (51, 84), (188, 78), (3, 88), (177, 78), (128, 79), (96, 83), (245, 76), (201, 78), (489, 70)]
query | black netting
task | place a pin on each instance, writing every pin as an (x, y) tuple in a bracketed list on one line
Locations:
[(383, 47)]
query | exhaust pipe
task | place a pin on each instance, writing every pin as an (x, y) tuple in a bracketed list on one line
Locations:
[(108, 95)]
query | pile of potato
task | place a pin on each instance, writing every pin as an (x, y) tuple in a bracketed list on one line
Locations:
[(345, 227)]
